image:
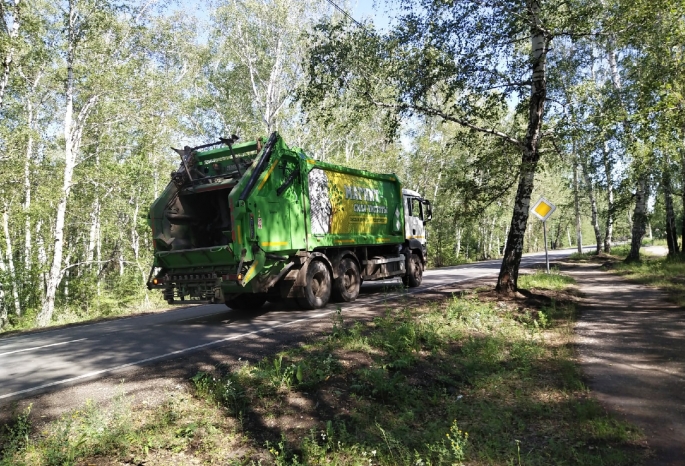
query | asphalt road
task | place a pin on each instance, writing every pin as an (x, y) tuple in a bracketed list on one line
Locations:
[(41, 361)]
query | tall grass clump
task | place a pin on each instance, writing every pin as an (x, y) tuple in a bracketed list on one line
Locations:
[(548, 281)]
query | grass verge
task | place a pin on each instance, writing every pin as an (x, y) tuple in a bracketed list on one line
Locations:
[(662, 272), (665, 273), (467, 379)]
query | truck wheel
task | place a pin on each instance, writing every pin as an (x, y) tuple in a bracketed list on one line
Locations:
[(346, 286), (414, 272), (317, 287), (247, 302)]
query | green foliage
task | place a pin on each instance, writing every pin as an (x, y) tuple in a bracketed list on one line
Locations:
[(14, 437)]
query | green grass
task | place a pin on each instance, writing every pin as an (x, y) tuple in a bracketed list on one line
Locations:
[(548, 281), (454, 381), (662, 272), (586, 256)]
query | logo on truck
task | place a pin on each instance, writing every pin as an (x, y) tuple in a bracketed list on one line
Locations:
[(362, 194), (347, 204)]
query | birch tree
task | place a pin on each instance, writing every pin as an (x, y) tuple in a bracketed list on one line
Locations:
[(256, 58), (459, 62), (11, 16), (85, 24)]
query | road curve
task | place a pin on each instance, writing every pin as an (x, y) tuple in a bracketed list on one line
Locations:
[(41, 361)]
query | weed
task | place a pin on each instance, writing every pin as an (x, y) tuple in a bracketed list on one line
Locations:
[(15, 437)]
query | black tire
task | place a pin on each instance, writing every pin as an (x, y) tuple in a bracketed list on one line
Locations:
[(317, 287), (346, 286), (247, 302), (414, 274)]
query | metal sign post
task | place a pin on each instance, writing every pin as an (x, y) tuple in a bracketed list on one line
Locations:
[(544, 233), (542, 210)]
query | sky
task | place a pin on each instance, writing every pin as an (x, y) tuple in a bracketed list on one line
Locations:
[(360, 9)]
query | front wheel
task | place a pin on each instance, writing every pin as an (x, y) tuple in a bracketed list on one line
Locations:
[(346, 286), (247, 302), (317, 288), (414, 274)]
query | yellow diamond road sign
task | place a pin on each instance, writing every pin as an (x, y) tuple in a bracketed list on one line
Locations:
[(543, 209)]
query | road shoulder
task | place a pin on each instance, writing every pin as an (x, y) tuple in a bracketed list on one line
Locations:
[(631, 347)]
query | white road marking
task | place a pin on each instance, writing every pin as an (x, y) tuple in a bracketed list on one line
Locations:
[(39, 347), (223, 340)]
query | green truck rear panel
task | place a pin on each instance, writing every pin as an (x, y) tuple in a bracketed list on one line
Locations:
[(283, 203)]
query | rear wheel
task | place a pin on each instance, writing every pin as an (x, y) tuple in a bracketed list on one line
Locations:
[(317, 288), (247, 302), (346, 286), (414, 272)]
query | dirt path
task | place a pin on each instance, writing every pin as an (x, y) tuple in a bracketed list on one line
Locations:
[(631, 343)]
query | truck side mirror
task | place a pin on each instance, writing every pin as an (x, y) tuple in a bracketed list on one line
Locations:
[(428, 212)]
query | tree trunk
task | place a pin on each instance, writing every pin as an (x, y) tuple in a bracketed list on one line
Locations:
[(11, 271), (72, 139), (682, 189), (576, 206), (3, 307), (45, 315), (457, 247), (508, 275), (608, 164), (506, 235), (12, 35), (593, 205), (42, 256), (671, 233), (135, 237), (27, 189), (639, 219), (609, 229)]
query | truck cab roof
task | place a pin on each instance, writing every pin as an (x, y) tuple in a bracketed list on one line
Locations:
[(411, 192)]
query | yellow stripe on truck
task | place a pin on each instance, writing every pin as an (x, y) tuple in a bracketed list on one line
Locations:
[(268, 174), (251, 271)]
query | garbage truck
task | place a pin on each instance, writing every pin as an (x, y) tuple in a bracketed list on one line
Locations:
[(245, 223)]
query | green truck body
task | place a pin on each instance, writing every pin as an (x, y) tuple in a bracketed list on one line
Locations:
[(258, 221)]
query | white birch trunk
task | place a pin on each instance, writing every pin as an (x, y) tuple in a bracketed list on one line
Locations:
[(27, 187), (639, 219), (73, 129), (135, 237), (98, 259), (593, 206), (42, 255), (506, 237), (12, 35), (94, 229), (609, 232), (3, 307), (30, 121), (457, 248), (11, 272), (492, 235), (508, 275)]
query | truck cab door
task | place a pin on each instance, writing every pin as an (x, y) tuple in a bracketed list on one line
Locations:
[(414, 219)]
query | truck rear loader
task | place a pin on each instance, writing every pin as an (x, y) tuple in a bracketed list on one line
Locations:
[(249, 222)]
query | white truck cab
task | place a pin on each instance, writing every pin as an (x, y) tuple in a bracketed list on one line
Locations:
[(417, 212)]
